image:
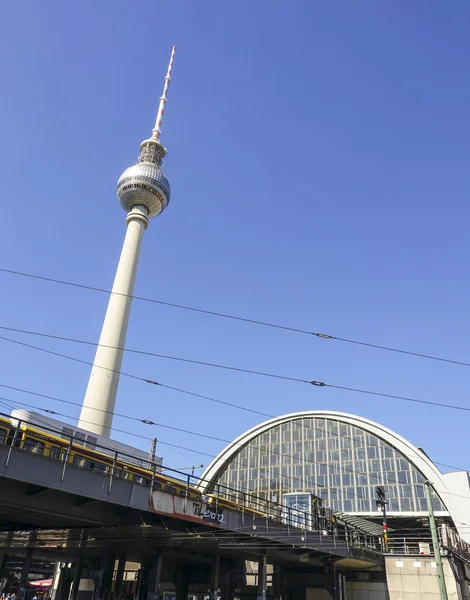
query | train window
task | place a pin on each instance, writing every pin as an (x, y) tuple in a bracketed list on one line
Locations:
[(158, 485), (54, 452), (117, 472), (141, 480), (80, 461), (3, 435), (99, 467), (182, 493), (167, 488), (85, 463), (34, 446)]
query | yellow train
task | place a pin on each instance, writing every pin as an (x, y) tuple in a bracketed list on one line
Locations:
[(32, 438)]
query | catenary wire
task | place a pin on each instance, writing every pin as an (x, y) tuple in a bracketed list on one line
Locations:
[(11, 405), (315, 383), (155, 383), (53, 412), (146, 421), (267, 324), (183, 391), (155, 355), (191, 393), (395, 528), (299, 479), (5, 402), (294, 478), (130, 375), (241, 319), (240, 407)]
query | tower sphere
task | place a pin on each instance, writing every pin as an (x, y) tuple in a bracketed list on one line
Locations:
[(146, 185)]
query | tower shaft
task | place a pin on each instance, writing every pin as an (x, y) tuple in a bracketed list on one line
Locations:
[(98, 406)]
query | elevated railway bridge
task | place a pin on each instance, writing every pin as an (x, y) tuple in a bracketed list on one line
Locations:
[(95, 521)]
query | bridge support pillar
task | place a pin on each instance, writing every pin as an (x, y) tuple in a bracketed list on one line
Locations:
[(214, 585), (340, 586), (4, 558), (150, 580), (3, 561), (24, 573), (76, 576), (181, 585), (104, 587), (61, 592), (277, 583), (119, 577), (262, 583)]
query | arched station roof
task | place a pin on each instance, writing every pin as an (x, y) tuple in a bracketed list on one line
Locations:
[(411, 452), (452, 488)]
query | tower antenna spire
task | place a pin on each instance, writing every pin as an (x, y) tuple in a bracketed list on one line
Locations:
[(156, 131)]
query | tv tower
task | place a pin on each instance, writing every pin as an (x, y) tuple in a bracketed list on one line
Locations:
[(144, 192)]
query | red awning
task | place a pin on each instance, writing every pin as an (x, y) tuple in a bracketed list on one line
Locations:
[(41, 583)]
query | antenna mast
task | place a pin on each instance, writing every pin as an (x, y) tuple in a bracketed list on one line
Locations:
[(156, 131)]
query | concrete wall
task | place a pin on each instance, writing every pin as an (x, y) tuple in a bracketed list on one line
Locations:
[(415, 578), (366, 590)]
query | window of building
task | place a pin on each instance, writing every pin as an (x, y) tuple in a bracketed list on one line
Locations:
[(336, 461)]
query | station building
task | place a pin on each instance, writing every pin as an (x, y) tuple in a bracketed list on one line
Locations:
[(342, 459)]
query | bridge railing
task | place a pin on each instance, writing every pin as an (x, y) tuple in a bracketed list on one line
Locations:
[(153, 476), (411, 545), (421, 544)]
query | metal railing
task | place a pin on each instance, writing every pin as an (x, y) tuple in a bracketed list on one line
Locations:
[(114, 464), (450, 542), (411, 545)]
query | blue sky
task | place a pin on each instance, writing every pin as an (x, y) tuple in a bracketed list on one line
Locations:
[(318, 157)]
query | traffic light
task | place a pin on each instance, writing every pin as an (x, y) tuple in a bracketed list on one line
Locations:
[(380, 491)]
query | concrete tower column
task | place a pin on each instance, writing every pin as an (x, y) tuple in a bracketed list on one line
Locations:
[(98, 407)]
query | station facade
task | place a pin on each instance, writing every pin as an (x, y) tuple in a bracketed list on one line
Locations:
[(342, 459)]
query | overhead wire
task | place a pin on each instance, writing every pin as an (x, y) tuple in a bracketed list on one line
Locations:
[(11, 405), (314, 383), (395, 527), (200, 395), (320, 384), (174, 388), (262, 323), (170, 387), (299, 479), (155, 355), (49, 411), (317, 383)]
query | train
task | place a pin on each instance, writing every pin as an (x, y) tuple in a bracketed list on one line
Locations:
[(55, 440)]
